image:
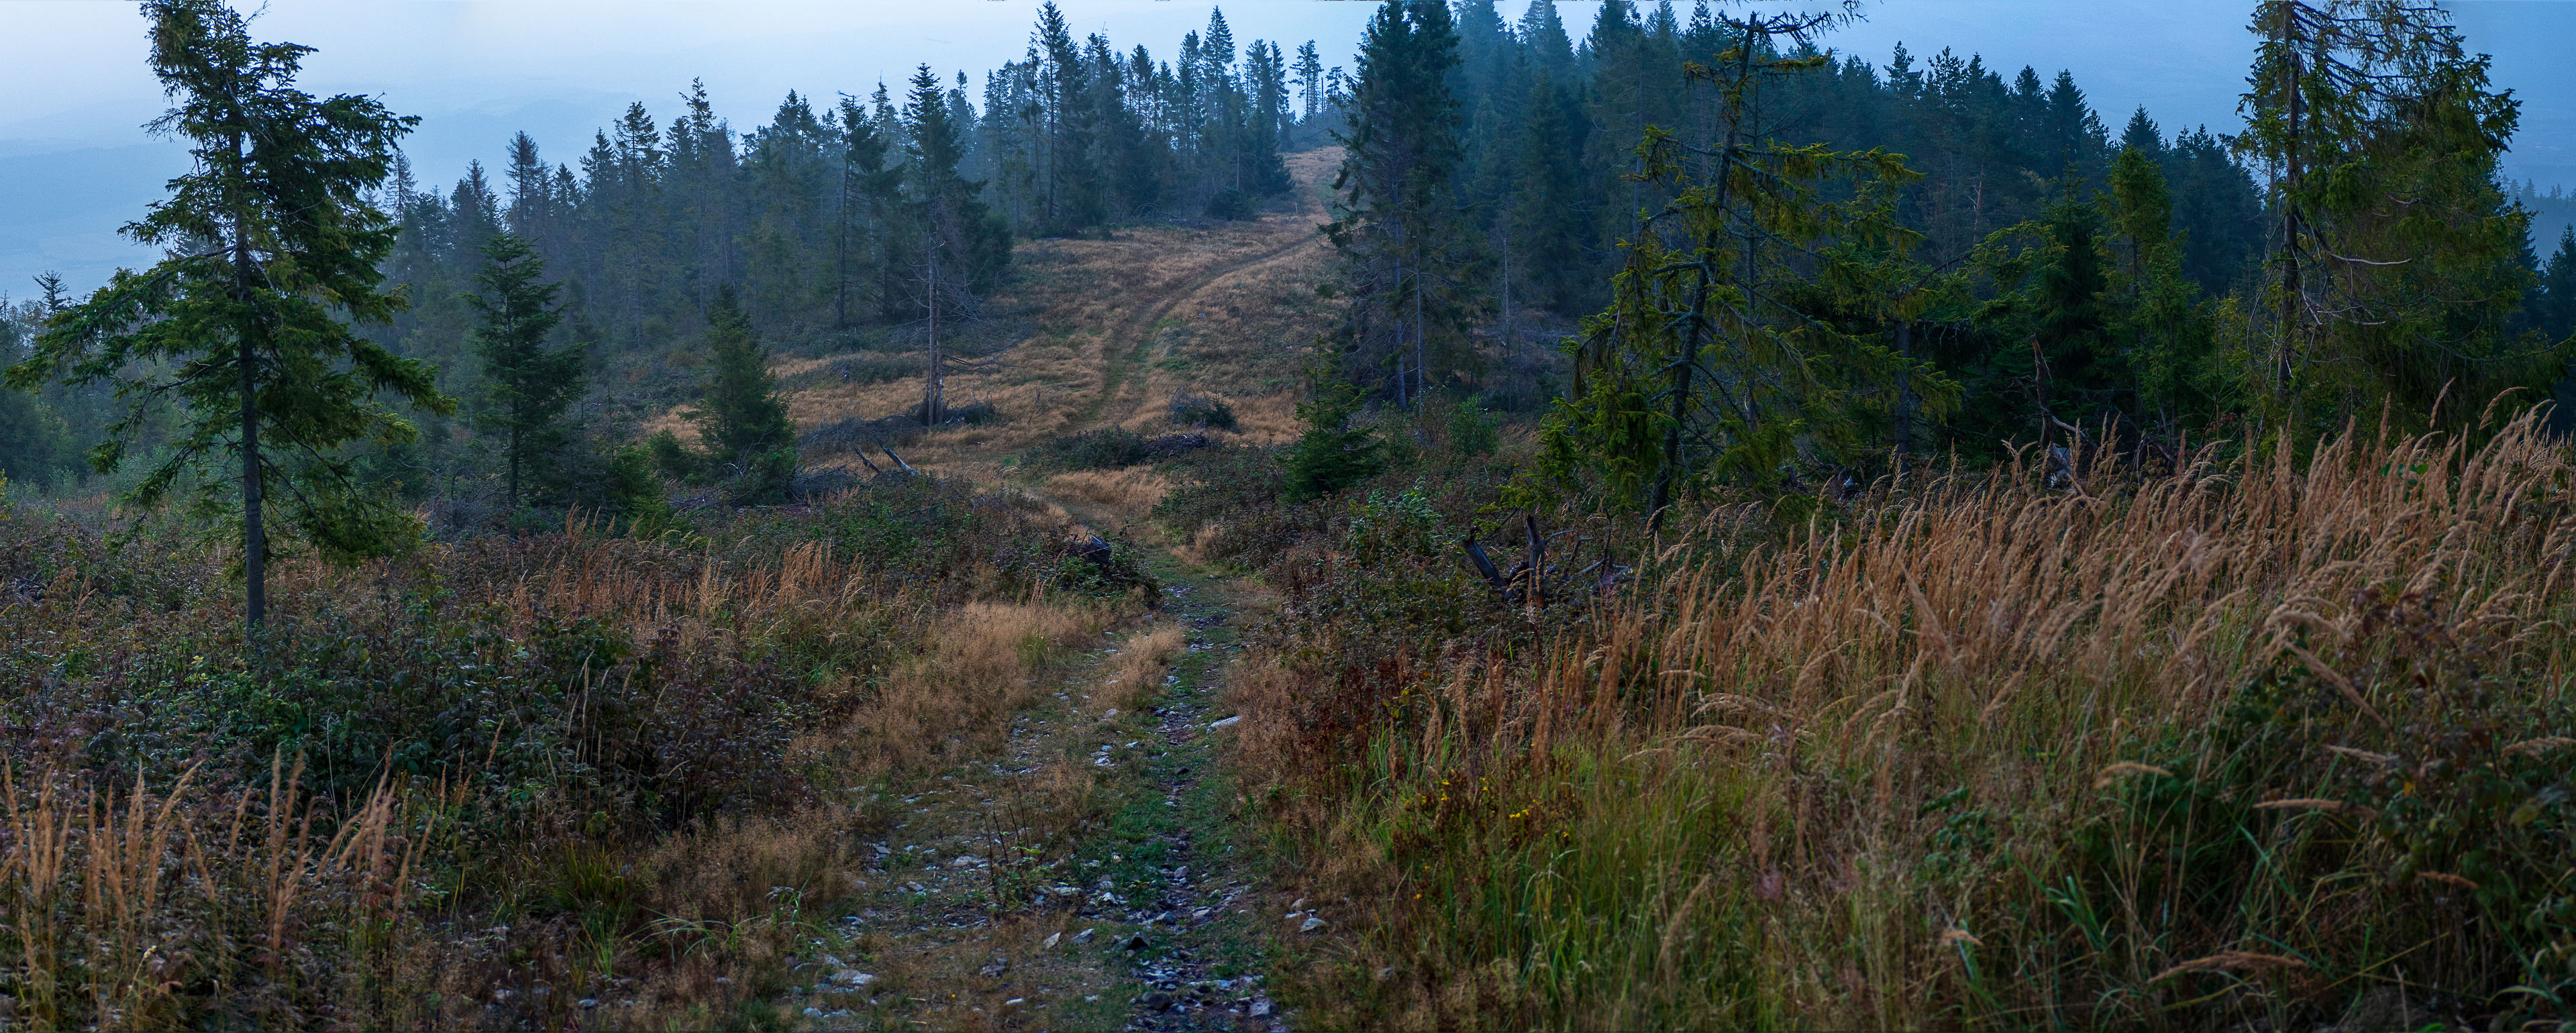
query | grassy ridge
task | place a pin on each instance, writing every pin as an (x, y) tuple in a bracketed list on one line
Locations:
[(568, 780), (2265, 742)]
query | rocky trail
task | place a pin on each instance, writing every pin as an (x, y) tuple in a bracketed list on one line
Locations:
[(1198, 895), (1151, 917), (1094, 874)]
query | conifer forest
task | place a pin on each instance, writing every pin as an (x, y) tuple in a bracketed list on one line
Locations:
[(1633, 514)]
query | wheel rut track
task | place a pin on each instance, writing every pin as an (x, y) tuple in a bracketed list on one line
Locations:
[(1123, 350)]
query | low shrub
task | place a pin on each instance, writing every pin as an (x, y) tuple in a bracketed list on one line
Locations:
[(1332, 454), (1230, 204), (1104, 449), (1206, 412)]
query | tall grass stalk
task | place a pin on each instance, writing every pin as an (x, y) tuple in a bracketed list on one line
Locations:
[(1978, 754)]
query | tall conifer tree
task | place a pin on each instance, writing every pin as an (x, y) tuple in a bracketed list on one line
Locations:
[(742, 422), (528, 385), (1395, 219), (273, 251), (2395, 258)]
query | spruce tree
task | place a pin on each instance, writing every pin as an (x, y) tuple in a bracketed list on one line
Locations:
[(273, 251), (527, 385), (2170, 353), (958, 246), (2077, 374), (1136, 159), (1699, 370), (1071, 186), (1396, 218), (867, 195), (2552, 307), (1310, 83), (1550, 214), (2216, 210), (1265, 119), (35, 447), (2551, 314), (2395, 256), (1331, 455), (742, 423), (532, 209)]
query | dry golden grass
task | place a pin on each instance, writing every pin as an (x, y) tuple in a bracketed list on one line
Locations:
[(1142, 662), (1730, 771), (1194, 552), (676, 421), (111, 892), (1129, 494), (210, 900), (955, 699)]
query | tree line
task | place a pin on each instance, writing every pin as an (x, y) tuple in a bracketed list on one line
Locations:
[(869, 221), (1782, 267), (1788, 266)]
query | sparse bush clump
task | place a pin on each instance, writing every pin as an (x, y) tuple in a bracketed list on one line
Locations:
[(1230, 204), (1332, 454), (1473, 432), (1206, 412), (674, 459), (1105, 449)]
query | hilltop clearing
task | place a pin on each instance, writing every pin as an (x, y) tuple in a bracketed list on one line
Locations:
[(1100, 332)]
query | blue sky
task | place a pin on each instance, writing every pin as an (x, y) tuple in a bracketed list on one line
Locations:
[(75, 164)]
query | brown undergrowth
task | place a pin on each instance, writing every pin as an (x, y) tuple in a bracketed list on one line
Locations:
[(574, 781), (1129, 494), (2248, 744)]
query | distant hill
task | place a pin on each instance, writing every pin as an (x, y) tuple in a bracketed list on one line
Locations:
[(2552, 213), (60, 211)]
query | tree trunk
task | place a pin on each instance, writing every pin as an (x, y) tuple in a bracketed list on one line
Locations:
[(2294, 169), (841, 252), (1904, 392), (933, 407), (254, 531), (514, 465), (1704, 281), (1421, 379)]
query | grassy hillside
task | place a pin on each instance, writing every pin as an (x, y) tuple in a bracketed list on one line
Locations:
[(566, 781), (2252, 741), (2264, 743)]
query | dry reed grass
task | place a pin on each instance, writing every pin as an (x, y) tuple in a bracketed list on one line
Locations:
[(1795, 770), (1142, 662), (1195, 551), (1130, 494), (118, 901), (954, 699)]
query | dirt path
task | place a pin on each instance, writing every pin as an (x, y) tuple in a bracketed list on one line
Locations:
[(1092, 876), (1129, 343), (989, 905), (1203, 897)]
